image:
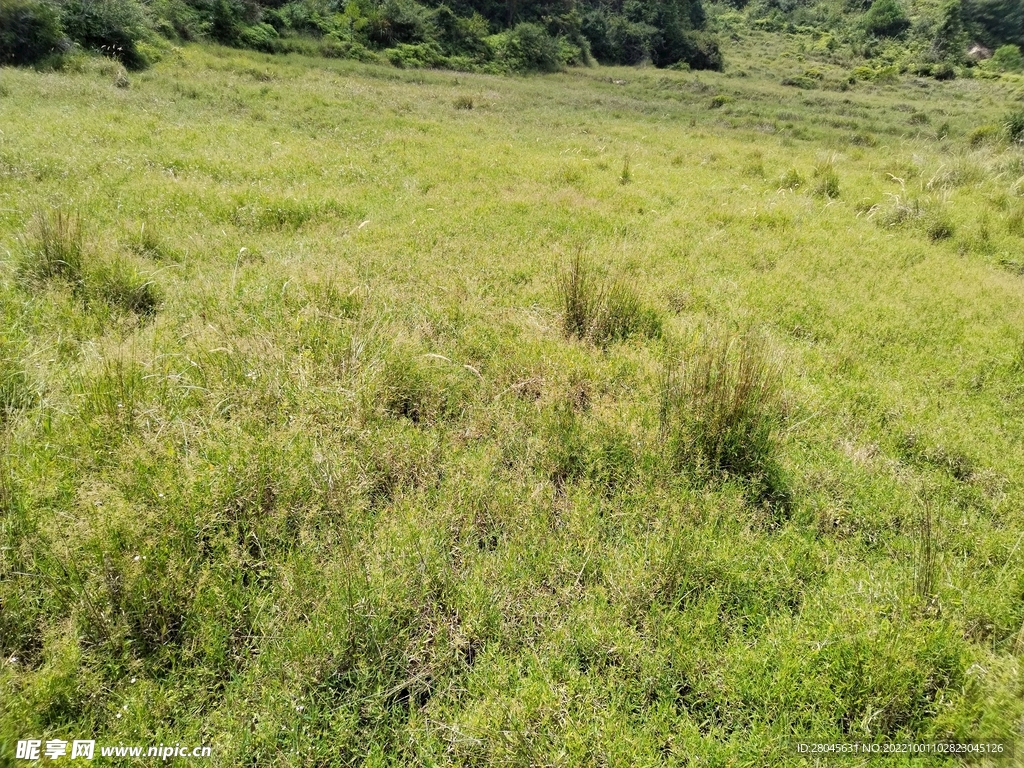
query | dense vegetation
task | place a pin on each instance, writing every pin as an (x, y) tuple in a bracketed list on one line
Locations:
[(515, 35), (512, 35)]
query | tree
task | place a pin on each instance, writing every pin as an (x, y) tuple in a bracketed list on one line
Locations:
[(995, 22)]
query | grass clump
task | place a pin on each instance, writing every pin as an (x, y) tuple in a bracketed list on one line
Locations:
[(791, 179), (53, 249), (15, 387), (595, 311), (151, 243), (720, 409), (827, 180), (1014, 126), (939, 227), (120, 285)]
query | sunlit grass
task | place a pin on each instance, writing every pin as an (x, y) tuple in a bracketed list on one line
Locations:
[(316, 464)]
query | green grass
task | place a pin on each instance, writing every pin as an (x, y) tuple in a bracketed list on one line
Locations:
[(306, 467)]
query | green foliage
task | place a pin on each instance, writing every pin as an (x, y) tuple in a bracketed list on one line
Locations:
[(354, 497), (996, 22), (527, 47), (1007, 58), (30, 31), (259, 37), (886, 18), (112, 27), (949, 44), (415, 56), (16, 390)]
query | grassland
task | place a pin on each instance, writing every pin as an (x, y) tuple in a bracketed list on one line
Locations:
[(300, 461)]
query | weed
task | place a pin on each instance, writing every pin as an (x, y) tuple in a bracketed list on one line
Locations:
[(827, 180), (940, 227), (898, 212), (1013, 125), (53, 249), (925, 560), (15, 386), (791, 179), (118, 284), (720, 409), (463, 102), (626, 174), (596, 311), (152, 243)]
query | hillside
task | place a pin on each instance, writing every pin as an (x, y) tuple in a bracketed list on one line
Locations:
[(354, 414)]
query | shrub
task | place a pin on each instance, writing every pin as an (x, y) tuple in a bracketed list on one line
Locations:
[(112, 27), (118, 284), (886, 18), (334, 47), (1008, 58), (720, 407), (595, 311), (259, 37), (526, 48), (53, 249), (29, 32), (396, 21), (415, 56), (178, 19)]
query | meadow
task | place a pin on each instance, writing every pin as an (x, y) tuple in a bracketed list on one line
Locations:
[(621, 416)]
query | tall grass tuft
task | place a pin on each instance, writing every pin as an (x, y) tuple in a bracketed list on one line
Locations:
[(53, 248), (720, 409), (596, 311), (118, 284), (826, 180)]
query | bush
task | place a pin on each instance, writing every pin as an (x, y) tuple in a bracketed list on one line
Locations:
[(177, 19), (418, 56), (29, 32), (394, 22), (886, 18), (259, 37), (1007, 58), (112, 27), (526, 48), (720, 407)]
